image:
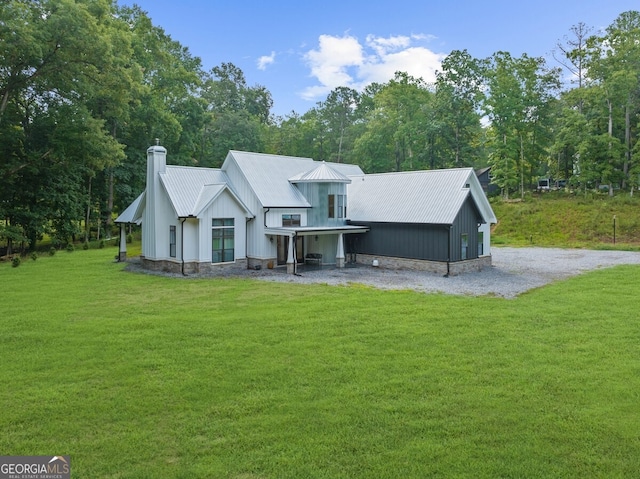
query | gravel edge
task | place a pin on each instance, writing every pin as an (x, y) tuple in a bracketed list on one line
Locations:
[(513, 272)]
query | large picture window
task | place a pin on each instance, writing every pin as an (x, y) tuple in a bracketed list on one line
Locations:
[(172, 241), (222, 240)]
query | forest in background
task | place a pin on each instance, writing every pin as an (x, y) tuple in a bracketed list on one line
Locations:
[(87, 85)]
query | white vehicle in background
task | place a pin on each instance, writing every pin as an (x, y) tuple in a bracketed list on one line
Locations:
[(544, 184)]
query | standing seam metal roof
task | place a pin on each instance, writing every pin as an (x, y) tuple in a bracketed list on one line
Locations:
[(191, 189), (268, 176), (431, 196), (133, 212), (321, 174)]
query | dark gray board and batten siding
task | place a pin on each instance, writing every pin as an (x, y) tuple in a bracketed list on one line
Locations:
[(432, 242)]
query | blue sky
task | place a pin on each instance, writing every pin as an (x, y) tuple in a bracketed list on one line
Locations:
[(301, 50)]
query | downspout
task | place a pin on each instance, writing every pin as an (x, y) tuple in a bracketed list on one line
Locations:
[(246, 240), (265, 216), (266, 210), (182, 244), (448, 250), (295, 254)]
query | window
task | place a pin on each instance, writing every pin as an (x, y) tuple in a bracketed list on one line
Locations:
[(465, 246), (480, 243), (342, 206), (332, 206), (222, 240), (290, 220), (172, 241)]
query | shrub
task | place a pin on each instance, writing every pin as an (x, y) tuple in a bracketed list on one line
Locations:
[(129, 238), (15, 262), (34, 256), (101, 244), (85, 245), (70, 248), (52, 251)]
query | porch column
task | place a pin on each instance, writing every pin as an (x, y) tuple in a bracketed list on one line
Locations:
[(340, 252), (122, 255), (290, 257)]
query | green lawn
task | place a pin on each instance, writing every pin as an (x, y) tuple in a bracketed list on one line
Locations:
[(138, 376)]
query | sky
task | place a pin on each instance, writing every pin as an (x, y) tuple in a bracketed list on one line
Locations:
[(300, 51)]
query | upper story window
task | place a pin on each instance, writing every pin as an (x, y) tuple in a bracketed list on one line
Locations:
[(290, 220), (337, 206), (342, 206)]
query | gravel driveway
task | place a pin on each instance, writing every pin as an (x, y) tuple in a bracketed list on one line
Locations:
[(514, 271)]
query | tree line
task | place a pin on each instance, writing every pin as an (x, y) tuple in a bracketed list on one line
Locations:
[(87, 85)]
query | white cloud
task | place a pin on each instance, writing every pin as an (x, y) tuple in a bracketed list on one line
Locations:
[(418, 62), (330, 63), (345, 61), (382, 46), (266, 60)]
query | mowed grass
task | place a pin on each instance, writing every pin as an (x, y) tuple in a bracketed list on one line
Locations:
[(138, 376)]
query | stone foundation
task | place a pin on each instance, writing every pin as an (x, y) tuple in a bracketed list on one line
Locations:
[(191, 267), (438, 267), (387, 262), (269, 263)]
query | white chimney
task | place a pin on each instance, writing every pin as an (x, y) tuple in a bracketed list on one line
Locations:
[(156, 164)]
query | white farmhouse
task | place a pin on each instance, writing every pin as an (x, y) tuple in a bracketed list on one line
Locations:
[(266, 211)]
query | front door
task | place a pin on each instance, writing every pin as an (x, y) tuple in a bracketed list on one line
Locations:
[(283, 248)]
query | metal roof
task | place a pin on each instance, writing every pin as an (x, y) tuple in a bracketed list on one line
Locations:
[(133, 213), (191, 189), (207, 194), (268, 176), (321, 174), (431, 196)]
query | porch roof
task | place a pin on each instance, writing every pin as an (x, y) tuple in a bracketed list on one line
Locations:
[(314, 230)]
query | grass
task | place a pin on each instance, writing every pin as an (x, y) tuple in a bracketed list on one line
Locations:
[(138, 376), (567, 220)]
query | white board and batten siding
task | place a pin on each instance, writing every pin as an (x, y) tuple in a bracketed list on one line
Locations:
[(485, 229), (155, 239), (225, 206)]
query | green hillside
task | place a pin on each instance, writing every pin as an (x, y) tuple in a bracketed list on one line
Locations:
[(567, 220)]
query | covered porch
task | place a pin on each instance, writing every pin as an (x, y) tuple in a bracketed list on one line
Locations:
[(311, 246)]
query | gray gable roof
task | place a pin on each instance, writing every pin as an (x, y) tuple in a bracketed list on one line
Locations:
[(191, 189), (133, 213), (268, 176), (431, 197)]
